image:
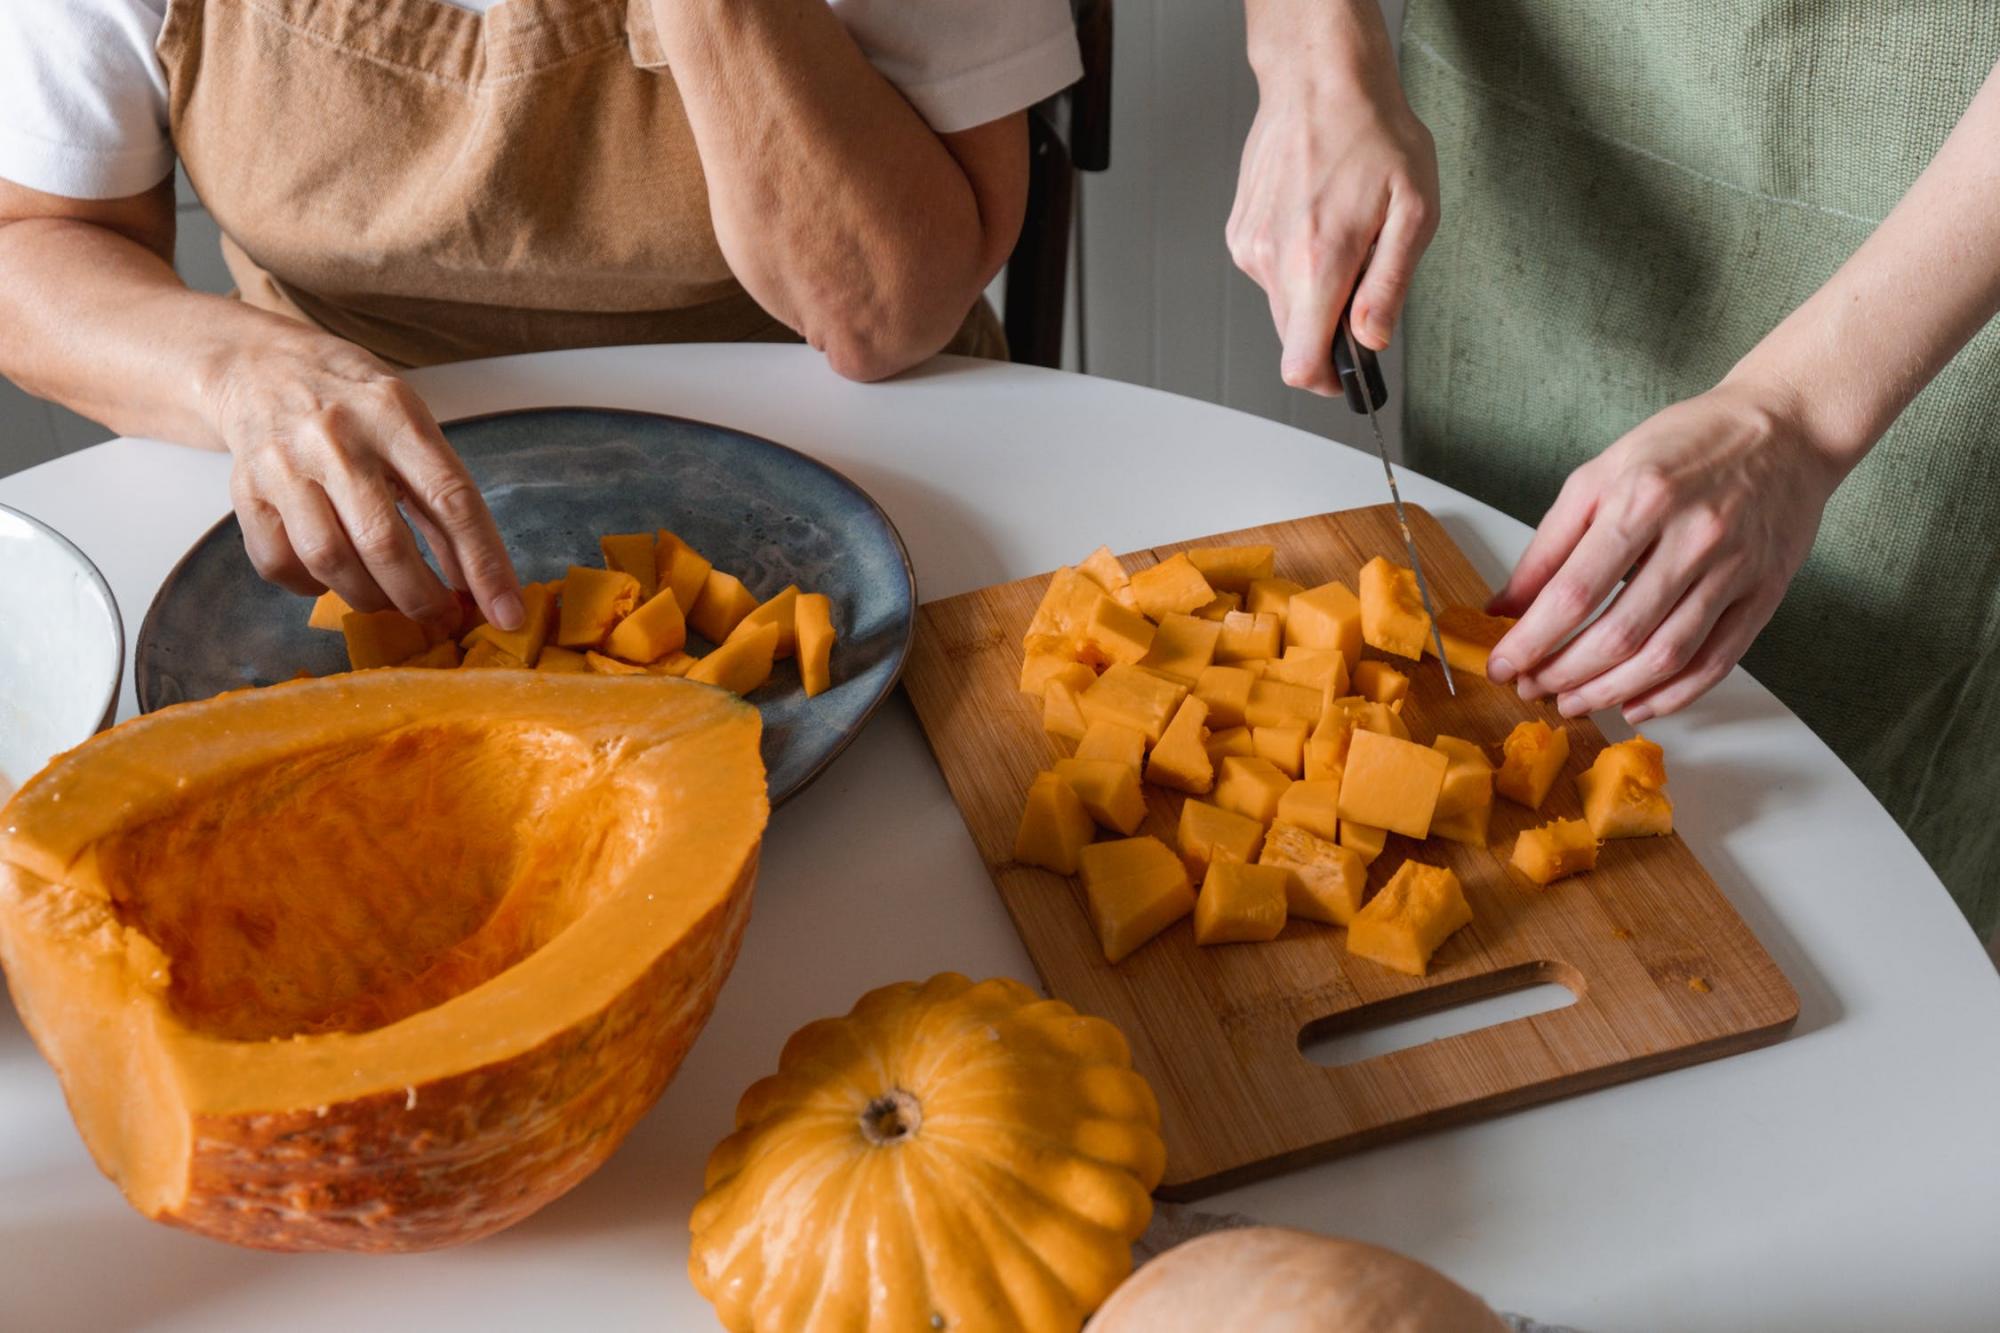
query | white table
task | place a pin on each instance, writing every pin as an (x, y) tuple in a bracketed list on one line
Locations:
[(1847, 1178)]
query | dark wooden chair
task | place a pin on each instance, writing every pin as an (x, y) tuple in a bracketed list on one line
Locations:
[(1068, 133)]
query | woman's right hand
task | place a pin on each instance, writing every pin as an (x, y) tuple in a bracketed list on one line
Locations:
[(1336, 163), (332, 450)]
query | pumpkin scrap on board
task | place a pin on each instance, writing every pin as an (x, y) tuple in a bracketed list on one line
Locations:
[(284, 1022)]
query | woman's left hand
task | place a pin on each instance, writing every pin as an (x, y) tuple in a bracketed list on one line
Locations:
[(1706, 511)]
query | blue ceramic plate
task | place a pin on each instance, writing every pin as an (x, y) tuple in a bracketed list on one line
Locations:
[(557, 479)]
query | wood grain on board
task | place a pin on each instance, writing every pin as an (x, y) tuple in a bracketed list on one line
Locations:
[(1664, 971)]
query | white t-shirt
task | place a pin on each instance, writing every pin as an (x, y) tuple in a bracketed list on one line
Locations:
[(83, 100)]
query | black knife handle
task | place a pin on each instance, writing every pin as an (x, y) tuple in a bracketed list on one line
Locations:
[(1357, 380)]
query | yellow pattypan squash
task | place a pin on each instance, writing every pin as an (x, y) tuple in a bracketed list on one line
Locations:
[(949, 1155)]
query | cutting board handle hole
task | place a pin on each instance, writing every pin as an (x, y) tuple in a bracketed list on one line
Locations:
[(1423, 1016)]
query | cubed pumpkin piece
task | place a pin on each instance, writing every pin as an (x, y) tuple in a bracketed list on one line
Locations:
[(1113, 633), (1469, 635), (484, 654), (679, 566), (1232, 568), (1172, 585), (1103, 568), (1368, 715), (1379, 682), (1111, 740), (1322, 670), (1226, 691), (1047, 655), (328, 609), (381, 638), (1554, 850), (538, 611), (605, 665), (741, 664), (633, 553), (1240, 903), (1055, 828), (1616, 805), (1392, 610), (1051, 616), (1136, 888), (1312, 806), (1366, 840), (1179, 760), (1273, 703), (1404, 923), (652, 631), (1271, 596), (593, 601), (1246, 637), (673, 664), (555, 658), (1283, 745), (1639, 759), (1323, 880), (438, 657), (1465, 802), (1183, 647), (1530, 758), (1133, 697), (1328, 616), (781, 610), (1250, 786), (720, 608), (1391, 783), (816, 638), (1230, 740), (1222, 605), (1062, 705), (1208, 833), (1109, 790)]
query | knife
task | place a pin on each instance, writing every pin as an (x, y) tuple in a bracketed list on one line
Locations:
[(1361, 380)]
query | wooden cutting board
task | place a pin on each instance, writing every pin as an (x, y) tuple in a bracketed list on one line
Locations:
[(1664, 971)]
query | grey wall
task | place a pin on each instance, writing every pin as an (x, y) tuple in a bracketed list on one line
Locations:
[(1163, 306)]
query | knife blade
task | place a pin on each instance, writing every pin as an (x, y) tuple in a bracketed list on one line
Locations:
[(1362, 383)]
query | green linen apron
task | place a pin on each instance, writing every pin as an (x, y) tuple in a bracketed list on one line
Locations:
[(1634, 194)]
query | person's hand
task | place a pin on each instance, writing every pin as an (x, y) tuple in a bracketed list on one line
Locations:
[(1710, 507), (332, 450), (1335, 164)]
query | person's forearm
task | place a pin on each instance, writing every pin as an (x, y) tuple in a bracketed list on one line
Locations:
[(1846, 363), (835, 204), (1344, 40)]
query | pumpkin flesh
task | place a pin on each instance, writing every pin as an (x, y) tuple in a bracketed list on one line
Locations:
[(383, 961)]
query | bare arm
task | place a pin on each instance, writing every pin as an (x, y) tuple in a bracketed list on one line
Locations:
[(1717, 499), (839, 209), (327, 441)]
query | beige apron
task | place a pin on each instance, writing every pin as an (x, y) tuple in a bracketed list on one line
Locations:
[(435, 184)]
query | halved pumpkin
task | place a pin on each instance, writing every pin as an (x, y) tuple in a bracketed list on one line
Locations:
[(383, 961)]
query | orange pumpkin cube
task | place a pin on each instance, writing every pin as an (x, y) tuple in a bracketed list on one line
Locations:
[(1208, 833), (1465, 802), (1313, 806), (1240, 903), (1224, 603), (1230, 740), (1226, 691), (1103, 568), (1246, 637), (1250, 786), (741, 664), (814, 631), (652, 631), (1109, 790), (1136, 888), (1110, 740), (1232, 568), (1271, 596), (1051, 616), (1328, 616), (593, 600), (1391, 783), (605, 665), (1062, 703), (1379, 682), (538, 610), (1179, 760), (1172, 585), (679, 566), (1283, 745), (328, 609), (1132, 697), (781, 610), (1469, 635), (1323, 880), (1415, 912), (1273, 703), (484, 654), (1055, 828), (1322, 670), (1639, 759), (554, 658), (381, 638), (673, 664), (1182, 647), (633, 553), (441, 656), (1366, 840), (1617, 805), (1392, 610), (720, 608), (1113, 633), (1046, 656), (1554, 850), (1530, 758)]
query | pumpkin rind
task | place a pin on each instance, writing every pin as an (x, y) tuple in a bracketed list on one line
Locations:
[(1014, 1173), (421, 1119)]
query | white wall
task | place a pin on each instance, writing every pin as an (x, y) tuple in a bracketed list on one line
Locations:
[(1163, 304)]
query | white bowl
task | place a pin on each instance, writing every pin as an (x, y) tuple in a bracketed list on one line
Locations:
[(62, 647)]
